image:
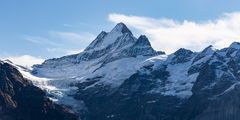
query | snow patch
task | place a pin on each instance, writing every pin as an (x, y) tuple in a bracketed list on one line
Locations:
[(116, 72), (179, 83)]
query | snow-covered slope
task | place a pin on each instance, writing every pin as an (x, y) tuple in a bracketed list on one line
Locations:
[(113, 56), (125, 72), (110, 59), (178, 82)]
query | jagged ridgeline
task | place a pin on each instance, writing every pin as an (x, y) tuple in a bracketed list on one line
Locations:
[(121, 77)]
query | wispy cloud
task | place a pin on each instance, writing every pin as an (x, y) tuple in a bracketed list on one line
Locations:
[(40, 40), (24, 60), (68, 25), (62, 42), (170, 35)]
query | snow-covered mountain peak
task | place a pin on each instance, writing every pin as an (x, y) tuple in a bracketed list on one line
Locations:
[(182, 51), (209, 50), (119, 34), (181, 55), (205, 54), (117, 45), (235, 45), (143, 41), (121, 27)]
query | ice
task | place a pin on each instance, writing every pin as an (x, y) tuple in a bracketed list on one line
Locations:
[(179, 83), (58, 90), (116, 72)]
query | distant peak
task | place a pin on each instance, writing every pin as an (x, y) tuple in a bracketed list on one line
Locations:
[(121, 24), (103, 33), (8, 61), (121, 27), (143, 41), (142, 37), (183, 51), (181, 55), (235, 45), (104, 39), (209, 50), (208, 47)]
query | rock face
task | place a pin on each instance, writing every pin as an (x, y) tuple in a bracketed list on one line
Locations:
[(20, 100), (120, 77)]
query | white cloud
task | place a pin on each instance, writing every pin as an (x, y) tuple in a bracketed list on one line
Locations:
[(169, 35), (24, 60)]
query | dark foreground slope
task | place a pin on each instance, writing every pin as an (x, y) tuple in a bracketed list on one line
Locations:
[(20, 100)]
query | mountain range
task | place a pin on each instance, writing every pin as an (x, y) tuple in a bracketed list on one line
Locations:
[(121, 77)]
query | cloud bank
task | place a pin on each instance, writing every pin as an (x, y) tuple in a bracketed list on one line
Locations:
[(169, 35)]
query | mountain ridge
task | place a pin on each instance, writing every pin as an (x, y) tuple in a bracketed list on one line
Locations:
[(119, 76), (123, 38)]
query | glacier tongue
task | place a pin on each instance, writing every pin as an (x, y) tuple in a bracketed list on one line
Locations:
[(58, 90), (180, 82)]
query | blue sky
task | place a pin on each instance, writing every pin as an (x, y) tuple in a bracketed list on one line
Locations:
[(53, 28)]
